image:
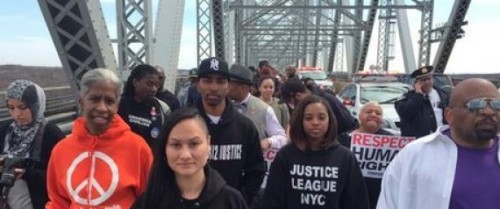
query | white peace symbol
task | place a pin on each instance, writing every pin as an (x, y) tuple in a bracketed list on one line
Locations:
[(93, 183)]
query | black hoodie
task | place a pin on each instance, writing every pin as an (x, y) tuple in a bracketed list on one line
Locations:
[(236, 153), (328, 178), (144, 118), (215, 195)]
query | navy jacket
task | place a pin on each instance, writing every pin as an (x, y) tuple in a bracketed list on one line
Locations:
[(416, 115)]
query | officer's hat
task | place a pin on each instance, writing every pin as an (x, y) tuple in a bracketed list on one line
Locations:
[(422, 72)]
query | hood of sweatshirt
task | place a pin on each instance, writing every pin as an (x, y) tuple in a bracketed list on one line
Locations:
[(114, 131), (215, 184)]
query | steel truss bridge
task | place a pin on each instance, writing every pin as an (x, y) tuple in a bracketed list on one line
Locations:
[(320, 33)]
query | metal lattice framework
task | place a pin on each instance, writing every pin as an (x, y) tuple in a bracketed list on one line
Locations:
[(246, 31), (204, 27), (134, 25), (296, 31), (80, 35), (425, 32), (452, 32), (219, 28), (367, 36), (386, 18), (334, 42)]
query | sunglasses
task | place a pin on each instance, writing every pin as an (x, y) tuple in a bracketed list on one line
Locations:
[(478, 104)]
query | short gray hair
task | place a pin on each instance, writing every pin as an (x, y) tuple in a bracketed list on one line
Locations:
[(376, 104), (100, 74)]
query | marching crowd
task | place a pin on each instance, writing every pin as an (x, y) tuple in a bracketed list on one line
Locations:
[(243, 137)]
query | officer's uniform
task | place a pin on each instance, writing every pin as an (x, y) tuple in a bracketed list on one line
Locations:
[(415, 110)]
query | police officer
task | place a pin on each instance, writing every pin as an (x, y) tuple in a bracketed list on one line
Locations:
[(415, 109)]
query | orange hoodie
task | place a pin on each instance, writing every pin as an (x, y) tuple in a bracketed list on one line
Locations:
[(105, 171)]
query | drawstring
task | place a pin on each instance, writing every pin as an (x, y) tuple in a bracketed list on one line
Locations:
[(93, 144)]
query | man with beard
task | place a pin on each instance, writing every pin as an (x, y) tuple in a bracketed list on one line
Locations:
[(458, 165), (235, 145)]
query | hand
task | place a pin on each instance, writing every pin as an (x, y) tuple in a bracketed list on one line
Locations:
[(418, 87), (19, 172), (265, 144)]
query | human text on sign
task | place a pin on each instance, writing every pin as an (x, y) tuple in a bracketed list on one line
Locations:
[(375, 152)]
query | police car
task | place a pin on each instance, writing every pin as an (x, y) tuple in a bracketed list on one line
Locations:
[(382, 90)]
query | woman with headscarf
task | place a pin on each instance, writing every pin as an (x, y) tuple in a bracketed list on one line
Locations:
[(26, 136)]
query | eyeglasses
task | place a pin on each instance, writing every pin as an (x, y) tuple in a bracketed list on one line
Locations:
[(478, 104)]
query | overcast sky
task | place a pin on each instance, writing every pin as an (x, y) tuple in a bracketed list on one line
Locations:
[(25, 39)]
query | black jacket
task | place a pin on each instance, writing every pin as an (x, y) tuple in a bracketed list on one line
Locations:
[(138, 116), (416, 115), (345, 121), (328, 178), (193, 95), (236, 153), (36, 176), (215, 195), (169, 98)]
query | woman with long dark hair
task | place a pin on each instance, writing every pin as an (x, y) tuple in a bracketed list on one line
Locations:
[(180, 177), (266, 90), (315, 171)]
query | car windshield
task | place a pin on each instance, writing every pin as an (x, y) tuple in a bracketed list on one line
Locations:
[(314, 75), (382, 94)]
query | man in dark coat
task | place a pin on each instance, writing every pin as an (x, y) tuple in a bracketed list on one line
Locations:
[(164, 94), (415, 110)]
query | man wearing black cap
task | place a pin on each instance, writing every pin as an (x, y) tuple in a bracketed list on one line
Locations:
[(235, 151), (415, 109)]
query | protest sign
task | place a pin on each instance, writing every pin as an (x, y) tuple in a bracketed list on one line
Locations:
[(375, 152)]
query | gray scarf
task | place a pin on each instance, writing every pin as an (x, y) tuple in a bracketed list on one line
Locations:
[(20, 138)]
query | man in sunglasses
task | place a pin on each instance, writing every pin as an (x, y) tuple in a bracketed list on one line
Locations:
[(458, 165), (418, 110)]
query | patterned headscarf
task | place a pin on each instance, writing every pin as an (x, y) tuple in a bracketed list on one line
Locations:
[(20, 138)]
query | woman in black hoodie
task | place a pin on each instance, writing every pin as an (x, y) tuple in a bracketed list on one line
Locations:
[(314, 171), (180, 177)]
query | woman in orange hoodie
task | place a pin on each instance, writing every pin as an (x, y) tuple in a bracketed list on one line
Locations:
[(102, 164)]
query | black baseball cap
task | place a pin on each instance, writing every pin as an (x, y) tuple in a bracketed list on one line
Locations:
[(213, 65)]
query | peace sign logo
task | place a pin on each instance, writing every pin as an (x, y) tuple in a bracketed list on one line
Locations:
[(91, 183)]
